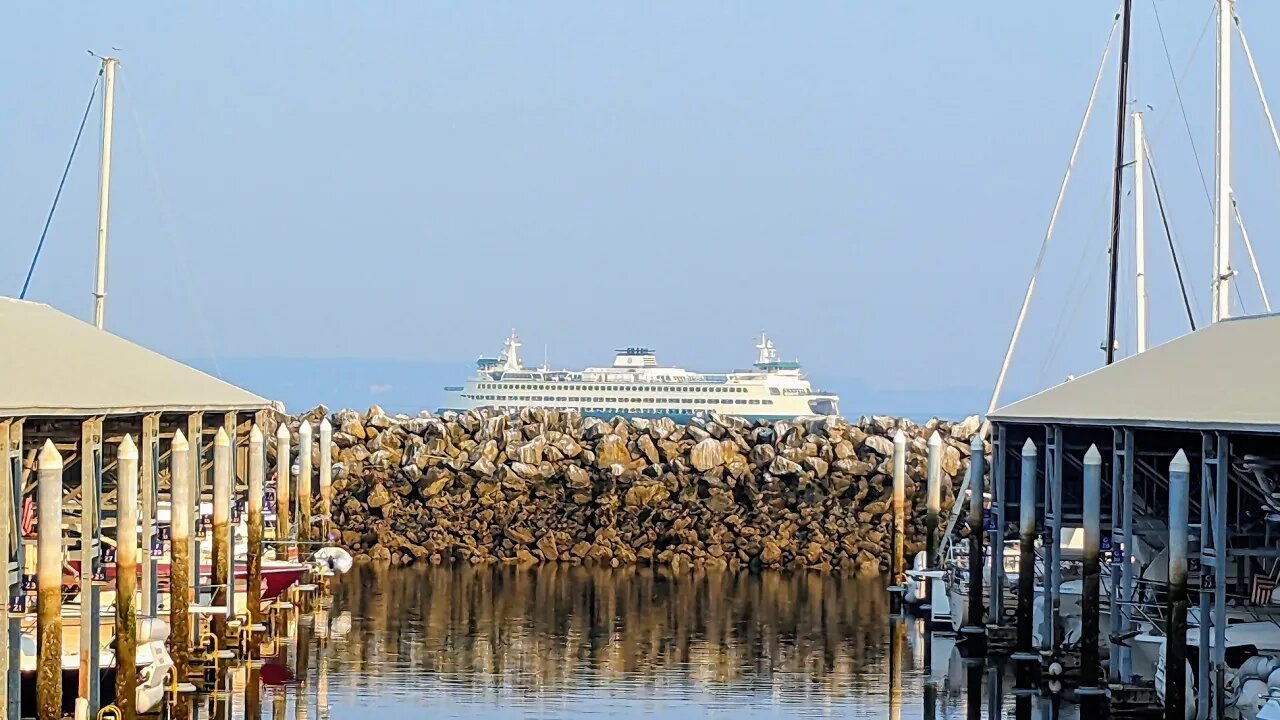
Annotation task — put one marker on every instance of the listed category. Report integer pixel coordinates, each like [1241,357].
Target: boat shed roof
[53,365]
[1225,376]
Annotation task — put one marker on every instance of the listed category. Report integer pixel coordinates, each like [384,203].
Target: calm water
[561,642]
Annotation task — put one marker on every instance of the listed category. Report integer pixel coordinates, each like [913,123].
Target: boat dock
[139,525]
[1164,466]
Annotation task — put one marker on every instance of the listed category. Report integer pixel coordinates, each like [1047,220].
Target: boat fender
[152,629]
[1055,669]
[335,558]
[1273,680]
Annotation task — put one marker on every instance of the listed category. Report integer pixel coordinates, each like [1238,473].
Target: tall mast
[1222,170]
[104,189]
[1113,256]
[1139,228]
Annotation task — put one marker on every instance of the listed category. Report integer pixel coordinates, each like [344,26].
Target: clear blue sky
[868,181]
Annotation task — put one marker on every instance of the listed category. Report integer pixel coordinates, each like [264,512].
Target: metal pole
[326,477]
[304,481]
[1118,182]
[1124,611]
[126,577]
[1175,692]
[49,583]
[283,468]
[180,516]
[1222,170]
[995,534]
[1027,553]
[254,575]
[221,580]
[1139,229]
[1090,660]
[974,628]
[933,508]
[104,188]
[899,513]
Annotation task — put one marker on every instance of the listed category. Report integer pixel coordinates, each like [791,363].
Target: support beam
[15,562]
[148,492]
[7,567]
[195,475]
[995,536]
[1053,539]
[90,523]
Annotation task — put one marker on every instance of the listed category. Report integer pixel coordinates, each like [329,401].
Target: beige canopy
[1221,377]
[52,364]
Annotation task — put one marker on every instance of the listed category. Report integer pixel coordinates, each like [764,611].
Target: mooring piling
[283,494]
[1090,659]
[1175,689]
[933,509]
[222,581]
[1027,554]
[326,477]
[126,576]
[180,515]
[899,517]
[253,585]
[49,583]
[974,628]
[304,480]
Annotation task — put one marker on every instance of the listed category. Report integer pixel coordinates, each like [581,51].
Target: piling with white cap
[49,583]
[1175,689]
[304,480]
[182,509]
[899,510]
[1090,659]
[126,576]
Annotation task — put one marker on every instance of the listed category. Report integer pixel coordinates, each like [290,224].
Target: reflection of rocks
[557,626]
[537,486]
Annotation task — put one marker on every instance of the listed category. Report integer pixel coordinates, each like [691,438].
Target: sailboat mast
[1113,256]
[104,189]
[1222,170]
[1140,229]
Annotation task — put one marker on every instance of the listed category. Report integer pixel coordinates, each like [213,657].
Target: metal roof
[1222,377]
[52,364]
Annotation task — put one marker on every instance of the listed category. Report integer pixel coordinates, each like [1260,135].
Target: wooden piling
[221,580]
[304,481]
[195,476]
[284,527]
[1090,659]
[326,478]
[253,585]
[1175,689]
[899,514]
[933,509]
[1027,555]
[49,584]
[126,577]
[180,516]
[90,606]
[974,628]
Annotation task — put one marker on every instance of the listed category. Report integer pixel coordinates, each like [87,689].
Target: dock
[1140,504]
[123,482]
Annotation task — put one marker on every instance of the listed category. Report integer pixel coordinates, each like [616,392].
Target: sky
[869,182]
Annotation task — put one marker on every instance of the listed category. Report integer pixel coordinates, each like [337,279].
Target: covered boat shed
[84,389]
[1214,394]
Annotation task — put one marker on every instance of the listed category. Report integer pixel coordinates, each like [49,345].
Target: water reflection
[558,642]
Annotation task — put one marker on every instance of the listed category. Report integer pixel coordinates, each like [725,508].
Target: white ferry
[636,386]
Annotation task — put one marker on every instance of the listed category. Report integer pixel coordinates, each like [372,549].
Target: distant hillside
[403,386]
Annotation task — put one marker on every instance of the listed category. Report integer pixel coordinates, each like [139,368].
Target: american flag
[1264,585]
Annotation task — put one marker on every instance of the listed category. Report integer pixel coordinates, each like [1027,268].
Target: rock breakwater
[546,486]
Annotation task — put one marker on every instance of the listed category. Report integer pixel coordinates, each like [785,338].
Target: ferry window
[755,402]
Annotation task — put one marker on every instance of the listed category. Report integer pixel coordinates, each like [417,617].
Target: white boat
[636,386]
[1252,653]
